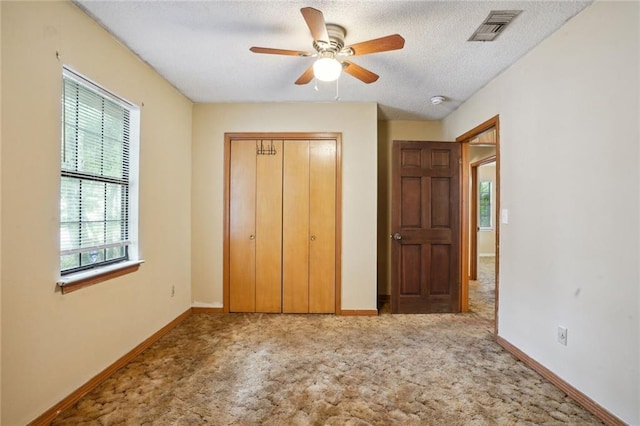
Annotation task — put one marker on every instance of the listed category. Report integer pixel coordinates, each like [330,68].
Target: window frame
[490,206]
[84,276]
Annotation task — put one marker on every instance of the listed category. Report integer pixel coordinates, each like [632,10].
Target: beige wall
[388,131]
[477,153]
[53,343]
[356,122]
[569,254]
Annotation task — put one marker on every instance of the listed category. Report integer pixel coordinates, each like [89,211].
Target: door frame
[465,139]
[228,139]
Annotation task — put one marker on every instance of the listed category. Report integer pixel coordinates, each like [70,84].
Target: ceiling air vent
[495,23]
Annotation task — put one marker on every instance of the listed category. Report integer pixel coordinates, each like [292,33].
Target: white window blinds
[94,191]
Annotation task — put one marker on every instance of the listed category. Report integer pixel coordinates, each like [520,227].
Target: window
[97,187]
[484,205]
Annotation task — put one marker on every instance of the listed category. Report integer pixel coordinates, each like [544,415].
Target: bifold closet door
[322,226]
[295,218]
[242,214]
[255,228]
[269,231]
[309,175]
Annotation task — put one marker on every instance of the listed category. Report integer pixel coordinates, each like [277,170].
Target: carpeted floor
[246,369]
[482,291]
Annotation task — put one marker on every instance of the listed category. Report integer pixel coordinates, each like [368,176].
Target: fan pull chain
[315,81]
[337,90]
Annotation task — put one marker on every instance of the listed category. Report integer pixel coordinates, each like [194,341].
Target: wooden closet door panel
[295,219]
[269,231]
[242,211]
[322,226]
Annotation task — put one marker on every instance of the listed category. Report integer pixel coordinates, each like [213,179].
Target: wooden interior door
[322,226]
[309,226]
[242,226]
[425,226]
[268,275]
[255,228]
[295,233]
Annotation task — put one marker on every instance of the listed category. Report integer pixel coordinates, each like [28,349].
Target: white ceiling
[202,47]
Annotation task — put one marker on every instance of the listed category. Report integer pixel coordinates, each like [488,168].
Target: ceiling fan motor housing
[336,40]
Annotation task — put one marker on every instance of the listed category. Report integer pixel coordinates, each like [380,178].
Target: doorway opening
[482,240]
[480,227]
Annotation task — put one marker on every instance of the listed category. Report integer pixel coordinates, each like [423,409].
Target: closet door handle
[252,237]
[313,238]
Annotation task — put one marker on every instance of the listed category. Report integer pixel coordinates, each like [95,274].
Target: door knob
[313,238]
[397,236]
[252,237]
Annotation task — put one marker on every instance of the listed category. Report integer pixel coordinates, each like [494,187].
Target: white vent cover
[495,23]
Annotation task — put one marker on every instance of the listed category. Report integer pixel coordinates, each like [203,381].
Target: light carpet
[249,369]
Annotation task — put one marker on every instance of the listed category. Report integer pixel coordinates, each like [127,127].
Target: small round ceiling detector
[437,100]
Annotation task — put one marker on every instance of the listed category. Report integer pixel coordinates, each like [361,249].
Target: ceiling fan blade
[358,72]
[315,22]
[306,76]
[382,44]
[279,51]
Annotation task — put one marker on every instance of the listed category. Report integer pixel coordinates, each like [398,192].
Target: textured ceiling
[202,48]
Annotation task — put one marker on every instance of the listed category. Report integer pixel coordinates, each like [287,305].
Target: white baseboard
[206,305]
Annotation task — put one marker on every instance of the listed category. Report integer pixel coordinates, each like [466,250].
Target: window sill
[73,282]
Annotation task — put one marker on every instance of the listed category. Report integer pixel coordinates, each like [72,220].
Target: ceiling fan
[328,41]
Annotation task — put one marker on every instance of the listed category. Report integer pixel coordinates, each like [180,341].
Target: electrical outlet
[562,335]
[173,290]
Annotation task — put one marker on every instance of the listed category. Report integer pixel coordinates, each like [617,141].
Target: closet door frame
[228,140]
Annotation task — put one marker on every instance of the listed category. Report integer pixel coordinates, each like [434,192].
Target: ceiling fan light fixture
[327,68]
